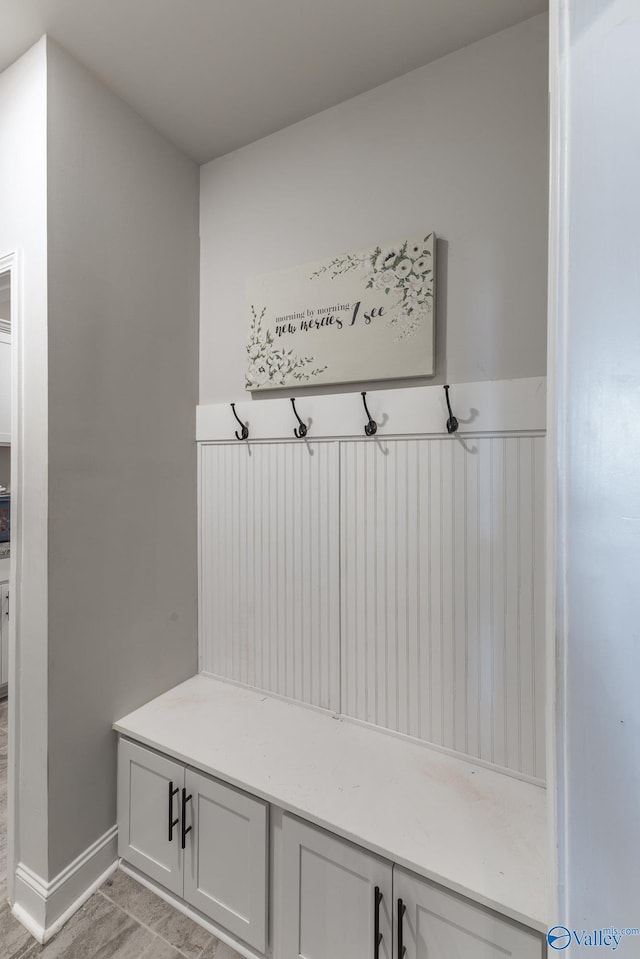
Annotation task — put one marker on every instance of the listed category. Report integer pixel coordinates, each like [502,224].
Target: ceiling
[213,75]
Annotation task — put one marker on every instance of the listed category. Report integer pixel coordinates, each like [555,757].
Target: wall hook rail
[371,428]
[244,434]
[303,429]
[452,423]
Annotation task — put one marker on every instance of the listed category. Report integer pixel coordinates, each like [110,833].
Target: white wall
[596,338]
[123,374]
[458,146]
[23,221]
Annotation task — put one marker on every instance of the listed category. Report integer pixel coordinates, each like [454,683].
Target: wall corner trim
[43,907]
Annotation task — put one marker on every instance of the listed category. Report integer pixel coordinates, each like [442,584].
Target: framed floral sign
[360,316]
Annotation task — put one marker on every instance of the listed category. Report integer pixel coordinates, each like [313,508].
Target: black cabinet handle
[377,935]
[172,822]
[185,828]
[401,911]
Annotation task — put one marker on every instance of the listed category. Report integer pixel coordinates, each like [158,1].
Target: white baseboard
[186,910]
[44,906]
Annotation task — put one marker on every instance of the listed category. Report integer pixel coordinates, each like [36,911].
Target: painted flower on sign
[269,363]
[404,268]
[386,258]
[421,265]
[404,271]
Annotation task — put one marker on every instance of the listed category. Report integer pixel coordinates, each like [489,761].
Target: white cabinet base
[327,897]
[437,924]
[199,838]
[225,867]
[144,778]
[338,826]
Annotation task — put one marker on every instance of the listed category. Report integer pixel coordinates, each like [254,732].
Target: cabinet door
[328,907]
[437,924]
[225,866]
[4,635]
[149,792]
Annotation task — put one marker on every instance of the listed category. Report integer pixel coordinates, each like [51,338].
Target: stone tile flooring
[123,920]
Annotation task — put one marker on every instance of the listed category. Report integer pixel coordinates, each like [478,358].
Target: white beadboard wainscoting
[442,593]
[269,570]
[396,580]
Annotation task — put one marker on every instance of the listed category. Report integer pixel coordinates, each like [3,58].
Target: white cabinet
[432,923]
[338,901]
[4,634]
[149,796]
[203,840]
[225,867]
[335,898]
[329,898]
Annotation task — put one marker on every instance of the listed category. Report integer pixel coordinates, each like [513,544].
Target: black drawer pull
[401,911]
[185,828]
[377,935]
[172,822]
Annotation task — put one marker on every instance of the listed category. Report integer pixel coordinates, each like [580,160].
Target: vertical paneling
[399,582]
[442,592]
[269,576]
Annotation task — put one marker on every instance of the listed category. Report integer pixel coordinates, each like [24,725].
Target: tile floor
[123,920]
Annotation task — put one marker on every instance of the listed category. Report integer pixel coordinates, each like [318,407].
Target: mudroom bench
[290,832]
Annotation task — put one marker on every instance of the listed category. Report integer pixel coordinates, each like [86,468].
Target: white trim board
[488,406]
[11,272]
[44,906]
[558,271]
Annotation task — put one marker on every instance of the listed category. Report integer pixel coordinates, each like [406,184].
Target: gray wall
[458,146]
[123,373]
[597,341]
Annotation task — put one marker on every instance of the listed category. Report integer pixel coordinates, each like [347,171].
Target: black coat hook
[452,423]
[244,435]
[302,431]
[371,428]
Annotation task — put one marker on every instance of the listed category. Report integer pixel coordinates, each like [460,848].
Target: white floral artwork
[404,271]
[268,364]
[358,317]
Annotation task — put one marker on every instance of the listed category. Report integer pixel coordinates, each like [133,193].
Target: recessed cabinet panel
[144,778]
[225,869]
[328,901]
[437,924]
